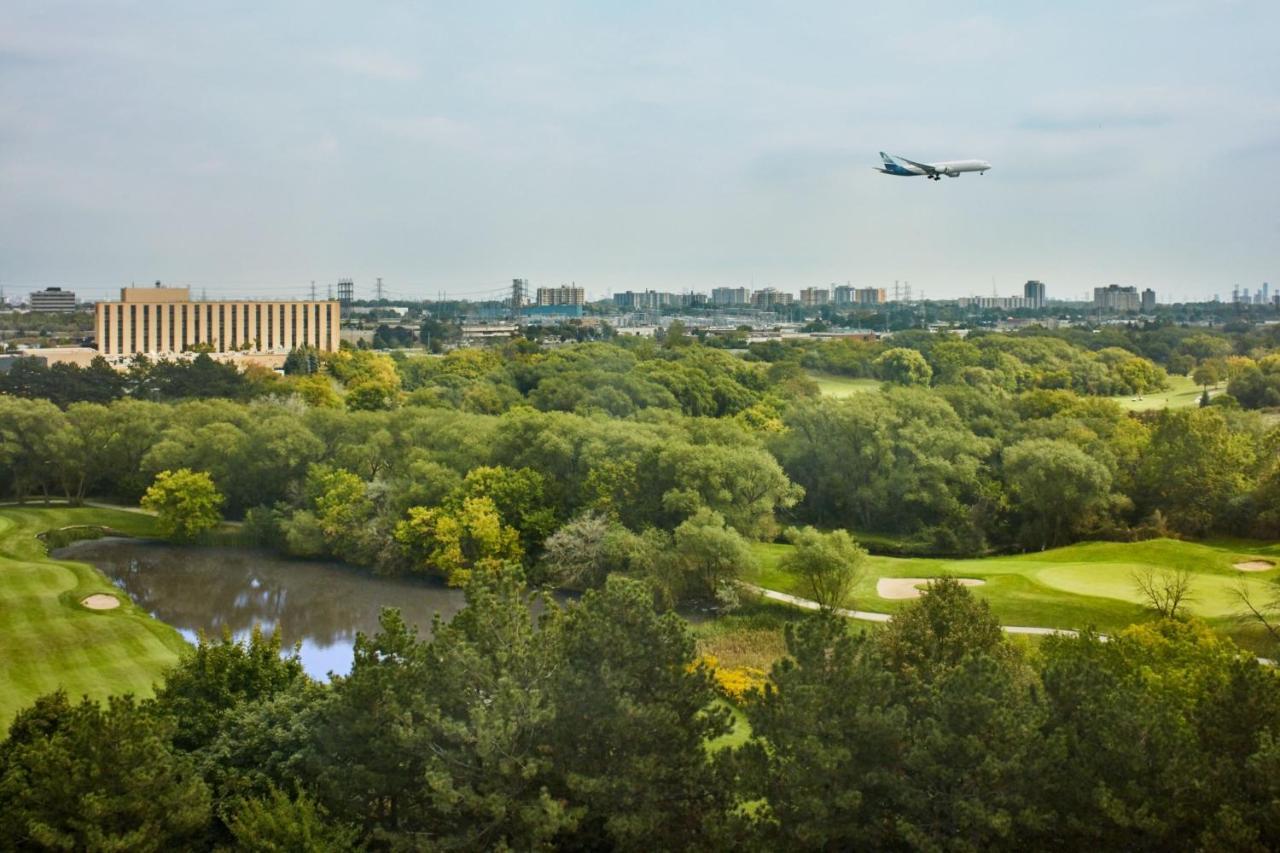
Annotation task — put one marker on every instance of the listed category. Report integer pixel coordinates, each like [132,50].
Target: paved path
[871,616]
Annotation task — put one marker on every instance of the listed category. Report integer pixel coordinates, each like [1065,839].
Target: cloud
[375,65]
[433,129]
[972,39]
[1087,121]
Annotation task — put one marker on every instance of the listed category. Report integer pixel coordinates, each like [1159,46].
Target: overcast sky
[250,148]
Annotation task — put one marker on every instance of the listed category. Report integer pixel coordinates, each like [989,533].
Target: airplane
[932,171]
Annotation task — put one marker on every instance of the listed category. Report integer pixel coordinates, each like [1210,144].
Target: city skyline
[666,148]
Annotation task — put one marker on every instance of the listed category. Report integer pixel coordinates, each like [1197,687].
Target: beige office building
[164,320]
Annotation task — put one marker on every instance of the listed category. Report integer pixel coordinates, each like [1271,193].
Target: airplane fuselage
[905,168]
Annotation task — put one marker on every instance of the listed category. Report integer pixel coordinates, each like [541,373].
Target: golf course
[52,634]
[1082,585]
[49,638]
[1182,392]
[832,385]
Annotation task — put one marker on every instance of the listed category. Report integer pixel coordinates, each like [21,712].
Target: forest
[974,446]
[639,474]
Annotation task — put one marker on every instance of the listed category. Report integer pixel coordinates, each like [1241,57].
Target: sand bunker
[101,601]
[912,587]
[1255,566]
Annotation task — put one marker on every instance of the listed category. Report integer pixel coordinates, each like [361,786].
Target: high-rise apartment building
[164,321]
[1148,301]
[563,295]
[870,296]
[1113,297]
[771,297]
[811,297]
[730,296]
[1033,292]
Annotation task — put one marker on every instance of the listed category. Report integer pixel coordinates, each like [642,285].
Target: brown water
[320,605]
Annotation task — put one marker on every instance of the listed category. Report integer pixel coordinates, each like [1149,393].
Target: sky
[253,148]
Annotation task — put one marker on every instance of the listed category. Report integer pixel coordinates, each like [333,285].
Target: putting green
[1088,584]
[48,639]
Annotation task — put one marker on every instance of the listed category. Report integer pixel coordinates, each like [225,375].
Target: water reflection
[318,604]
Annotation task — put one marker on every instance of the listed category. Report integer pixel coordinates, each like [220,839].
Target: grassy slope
[47,639]
[843,386]
[1086,584]
[1182,392]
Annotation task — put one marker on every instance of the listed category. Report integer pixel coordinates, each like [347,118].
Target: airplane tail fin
[885,157]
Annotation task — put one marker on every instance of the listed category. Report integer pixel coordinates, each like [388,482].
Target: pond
[320,605]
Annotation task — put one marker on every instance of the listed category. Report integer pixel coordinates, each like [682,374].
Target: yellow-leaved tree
[454,541]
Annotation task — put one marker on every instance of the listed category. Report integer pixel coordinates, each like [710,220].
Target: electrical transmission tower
[519,289]
[378,289]
[346,292]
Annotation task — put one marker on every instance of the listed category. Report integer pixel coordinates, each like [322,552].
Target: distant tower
[378,289]
[519,287]
[313,290]
[346,292]
[1033,292]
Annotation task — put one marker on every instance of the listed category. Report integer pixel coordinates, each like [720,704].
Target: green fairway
[1182,392]
[1089,584]
[48,639]
[843,386]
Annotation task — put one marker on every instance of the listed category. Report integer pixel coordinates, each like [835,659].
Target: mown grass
[48,640]
[1181,393]
[1090,584]
[842,386]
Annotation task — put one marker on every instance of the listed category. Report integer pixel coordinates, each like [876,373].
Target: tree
[1057,487]
[519,495]
[218,676]
[186,503]
[95,777]
[279,823]
[1166,591]
[456,542]
[302,361]
[633,713]
[1194,467]
[442,744]
[709,555]
[583,552]
[1208,373]
[904,367]
[944,627]
[32,432]
[830,564]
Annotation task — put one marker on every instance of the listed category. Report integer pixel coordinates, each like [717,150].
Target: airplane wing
[928,170]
